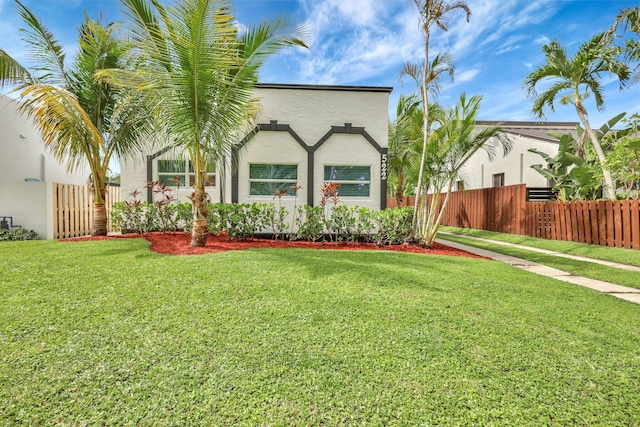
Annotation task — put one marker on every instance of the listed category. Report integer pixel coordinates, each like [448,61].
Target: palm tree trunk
[200,210]
[400,191]
[609,187]
[433,232]
[415,225]
[99,225]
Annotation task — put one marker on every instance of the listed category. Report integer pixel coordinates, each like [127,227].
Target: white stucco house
[515,167]
[27,172]
[306,135]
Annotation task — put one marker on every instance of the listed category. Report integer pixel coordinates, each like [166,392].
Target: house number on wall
[383,167]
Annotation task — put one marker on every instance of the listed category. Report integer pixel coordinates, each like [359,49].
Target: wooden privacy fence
[73,209]
[505,210]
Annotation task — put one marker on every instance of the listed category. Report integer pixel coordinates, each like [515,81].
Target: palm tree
[404,131]
[579,77]
[451,145]
[202,73]
[629,19]
[432,12]
[80,120]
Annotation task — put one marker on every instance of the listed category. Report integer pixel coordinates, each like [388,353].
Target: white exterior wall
[516,166]
[274,148]
[22,152]
[311,112]
[349,150]
[30,204]
[133,174]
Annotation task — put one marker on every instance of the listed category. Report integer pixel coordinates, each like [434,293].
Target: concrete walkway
[623,292]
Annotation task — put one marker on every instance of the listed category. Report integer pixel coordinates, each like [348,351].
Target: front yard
[109,333]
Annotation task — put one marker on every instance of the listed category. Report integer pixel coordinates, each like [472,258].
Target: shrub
[394,226]
[18,234]
[310,222]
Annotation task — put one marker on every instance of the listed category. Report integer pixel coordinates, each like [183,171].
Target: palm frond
[44,47]
[64,126]
[12,74]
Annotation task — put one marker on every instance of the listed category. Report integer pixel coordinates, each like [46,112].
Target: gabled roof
[535,130]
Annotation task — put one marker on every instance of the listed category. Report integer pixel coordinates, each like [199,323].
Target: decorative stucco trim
[272,126]
[348,128]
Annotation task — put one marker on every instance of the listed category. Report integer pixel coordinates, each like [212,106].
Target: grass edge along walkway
[619,291]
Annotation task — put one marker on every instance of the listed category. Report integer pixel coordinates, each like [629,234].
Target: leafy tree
[201,70]
[578,177]
[404,134]
[80,120]
[624,158]
[451,145]
[575,80]
[574,177]
[432,12]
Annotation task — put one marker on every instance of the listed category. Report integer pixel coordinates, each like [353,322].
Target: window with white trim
[268,179]
[355,181]
[172,171]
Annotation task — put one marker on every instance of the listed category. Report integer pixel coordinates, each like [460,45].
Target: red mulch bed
[178,244]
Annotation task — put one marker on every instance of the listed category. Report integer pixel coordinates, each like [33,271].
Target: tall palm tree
[575,80]
[202,72]
[432,12]
[80,120]
[451,146]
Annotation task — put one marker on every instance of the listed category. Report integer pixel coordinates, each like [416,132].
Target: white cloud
[542,40]
[466,76]
[356,40]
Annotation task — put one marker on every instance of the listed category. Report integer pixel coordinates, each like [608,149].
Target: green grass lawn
[624,256]
[579,268]
[108,333]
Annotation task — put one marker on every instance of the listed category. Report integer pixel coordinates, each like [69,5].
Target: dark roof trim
[528,124]
[324,87]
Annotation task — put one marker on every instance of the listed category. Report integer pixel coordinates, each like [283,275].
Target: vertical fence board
[617,214]
[593,221]
[602,224]
[626,225]
[635,224]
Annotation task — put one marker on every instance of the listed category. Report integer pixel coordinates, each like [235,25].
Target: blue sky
[366,42]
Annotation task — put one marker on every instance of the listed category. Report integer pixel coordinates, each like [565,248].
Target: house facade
[305,136]
[515,167]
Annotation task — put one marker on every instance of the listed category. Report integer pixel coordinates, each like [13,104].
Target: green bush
[310,222]
[394,226]
[18,234]
[243,221]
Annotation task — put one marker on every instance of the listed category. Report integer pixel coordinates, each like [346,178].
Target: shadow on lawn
[377,267]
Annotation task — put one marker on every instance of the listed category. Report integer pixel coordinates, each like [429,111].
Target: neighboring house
[514,168]
[306,135]
[26,168]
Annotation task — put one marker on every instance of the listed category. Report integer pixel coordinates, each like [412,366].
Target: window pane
[210,180]
[171,166]
[211,167]
[270,188]
[171,180]
[347,173]
[353,190]
[258,171]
